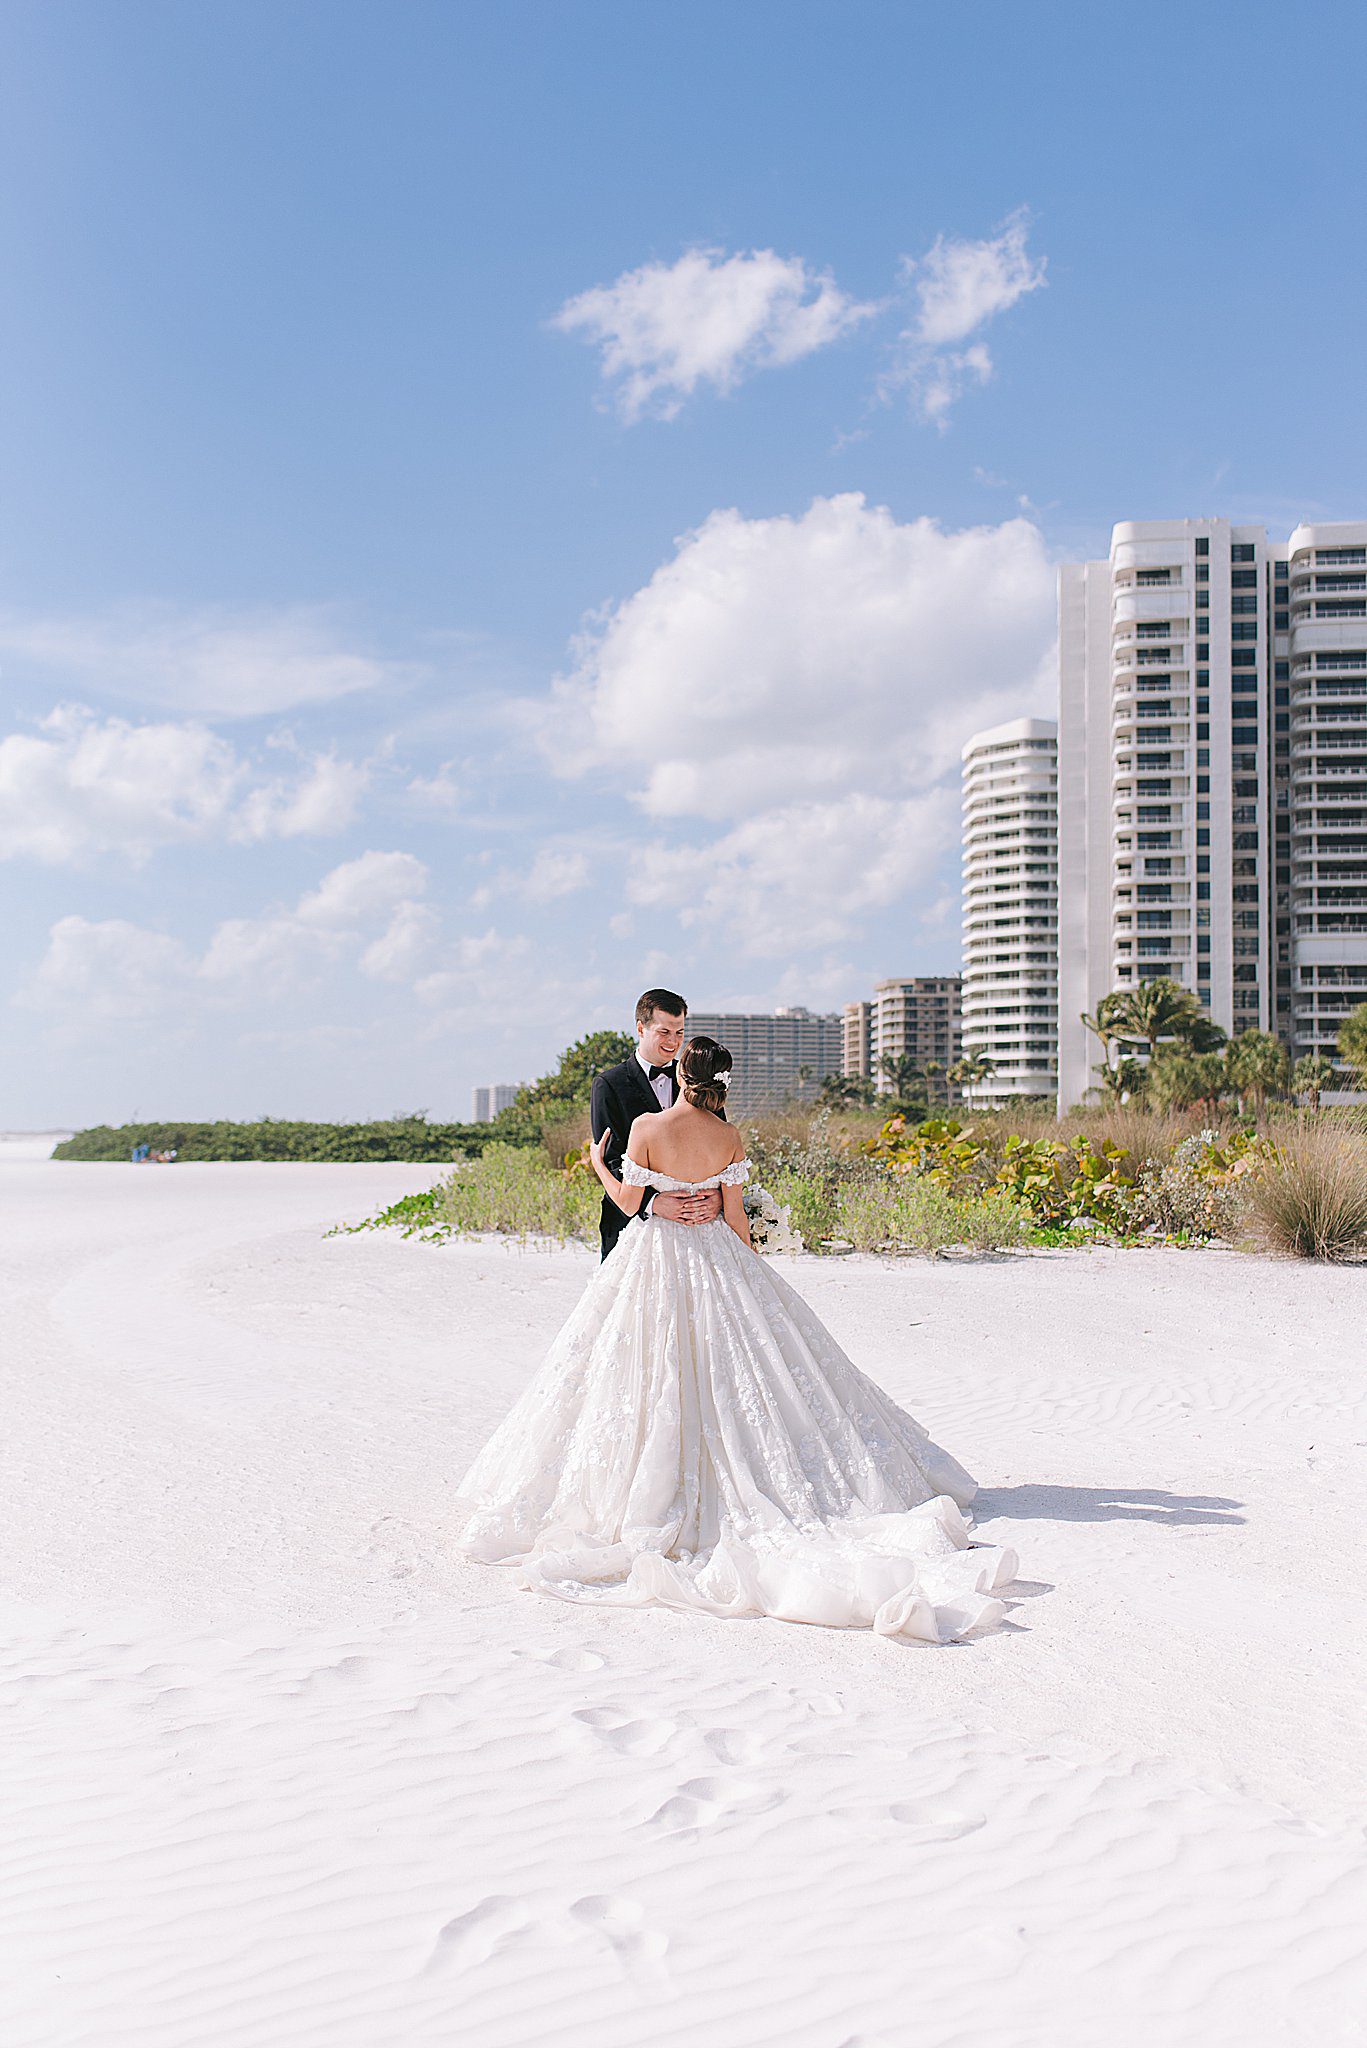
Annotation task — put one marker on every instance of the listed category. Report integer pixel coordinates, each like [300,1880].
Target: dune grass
[1312,1201]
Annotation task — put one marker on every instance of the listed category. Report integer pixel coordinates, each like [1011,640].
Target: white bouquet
[771,1222]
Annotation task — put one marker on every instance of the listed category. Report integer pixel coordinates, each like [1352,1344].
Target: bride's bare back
[684,1142]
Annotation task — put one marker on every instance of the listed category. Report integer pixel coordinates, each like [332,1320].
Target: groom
[638,1087]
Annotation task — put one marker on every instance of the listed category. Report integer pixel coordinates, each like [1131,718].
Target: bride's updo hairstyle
[704,1070]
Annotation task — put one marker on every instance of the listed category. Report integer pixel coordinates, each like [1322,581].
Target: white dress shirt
[660,1085]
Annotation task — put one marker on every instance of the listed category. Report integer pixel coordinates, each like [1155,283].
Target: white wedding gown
[697,1439]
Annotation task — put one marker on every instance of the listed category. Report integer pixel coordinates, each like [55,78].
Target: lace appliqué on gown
[697,1439]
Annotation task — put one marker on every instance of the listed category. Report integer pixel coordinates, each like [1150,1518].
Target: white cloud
[328,924]
[959,286]
[441,791]
[556,871]
[773,659]
[807,683]
[325,800]
[403,945]
[80,786]
[212,663]
[489,971]
[372,885]
[111,969]
[800,876]
[364,913]
[708,318]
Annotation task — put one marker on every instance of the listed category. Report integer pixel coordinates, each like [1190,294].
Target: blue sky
[507,504]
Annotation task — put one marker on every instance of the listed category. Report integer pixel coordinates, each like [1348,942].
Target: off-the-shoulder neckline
[653,1177]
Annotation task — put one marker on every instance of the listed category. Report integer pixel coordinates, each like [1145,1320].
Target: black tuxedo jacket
[620,1095]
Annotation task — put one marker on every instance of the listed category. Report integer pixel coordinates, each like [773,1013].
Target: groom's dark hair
[659,999]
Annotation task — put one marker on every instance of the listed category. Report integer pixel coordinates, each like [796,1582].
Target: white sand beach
[280,1773]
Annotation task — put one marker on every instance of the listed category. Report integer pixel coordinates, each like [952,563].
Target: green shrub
[812,1201]
[905,1214]
[405,1138]
[512,1189]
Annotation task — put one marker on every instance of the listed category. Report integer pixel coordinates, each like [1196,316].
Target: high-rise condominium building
[1010,907]
[1327,585]
[856,1025]
[1187,776]
[489,1102]
[914,1016]
[781,1056]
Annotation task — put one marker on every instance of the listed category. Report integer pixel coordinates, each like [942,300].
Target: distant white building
[1327,748]
[490,1101]
[1010,907]
[1213,778]
[911,1016]
[780,1055]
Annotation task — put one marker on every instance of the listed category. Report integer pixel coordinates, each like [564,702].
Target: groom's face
[661,1038]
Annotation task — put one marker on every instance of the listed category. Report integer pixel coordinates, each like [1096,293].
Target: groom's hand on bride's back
[699,1208]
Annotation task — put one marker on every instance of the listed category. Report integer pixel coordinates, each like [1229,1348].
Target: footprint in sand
[472,1937]
[629,1738]
[707,1802]
[620,1925]
[569,1659]
[396,1545]
[734,1746]
[934,1824]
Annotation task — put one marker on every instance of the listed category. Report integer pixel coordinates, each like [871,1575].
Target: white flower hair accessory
[722,1080]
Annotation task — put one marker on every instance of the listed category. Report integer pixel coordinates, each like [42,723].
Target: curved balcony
[1150,602]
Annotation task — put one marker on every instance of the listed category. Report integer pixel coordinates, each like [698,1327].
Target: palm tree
[1257,1065]
[1159,1009]
[1311,1075]
[967,1072]
[844,1091]
[1103,1024]
[901,1069]
[932,1071]
[1353,1042]
[1181,1080]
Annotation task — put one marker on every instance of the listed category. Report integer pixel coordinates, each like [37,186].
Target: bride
[697,1439]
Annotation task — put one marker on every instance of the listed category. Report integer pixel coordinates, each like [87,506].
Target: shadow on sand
[1103,1504]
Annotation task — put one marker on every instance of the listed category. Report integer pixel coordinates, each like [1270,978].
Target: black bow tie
[656,1072]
